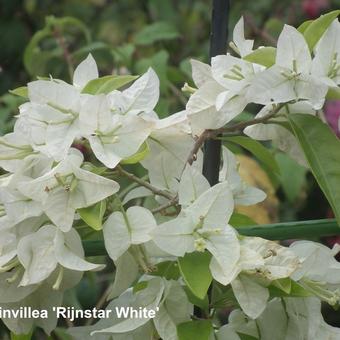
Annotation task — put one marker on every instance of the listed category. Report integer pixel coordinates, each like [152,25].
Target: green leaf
[302,28]
[123,54]
[201,303]
[93,215]
[284,284]
[43,52]
[264,56]
[63,22]
[138,156]
[298,291]
[194,268]
[317,28]
[22,336]
[107,84]
[280,290]
[322,150]
[238,220]
[291,185]
[195,330]
[33,49]
[159,62]
[90,48]
[156,32]
[273,26]
[139,286]
[20,91]
[333,94]
[222,297]
[257,149]
[167,269]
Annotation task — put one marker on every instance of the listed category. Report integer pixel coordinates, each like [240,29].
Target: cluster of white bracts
[47,181]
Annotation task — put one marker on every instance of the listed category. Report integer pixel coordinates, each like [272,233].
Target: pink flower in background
[312,8]
[332,114]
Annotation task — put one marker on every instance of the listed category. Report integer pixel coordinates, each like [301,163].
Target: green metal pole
[278,231]
[293,230]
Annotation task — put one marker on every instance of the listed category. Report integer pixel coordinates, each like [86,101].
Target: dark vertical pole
[218,45]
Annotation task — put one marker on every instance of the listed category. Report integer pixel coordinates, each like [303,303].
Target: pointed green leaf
[93,215]
[222,296]
[304,26]
[155,32]
[298,291]
[322,150]
[194,268]
[317,28]
[238,220]
[257,149]
[138,156]
[20,91]
[195,330]
[107,84]
[168,269]
[33,50]
[280,290]
[201,303]
[284,284]
[139,286]
[264,56]
[292,185]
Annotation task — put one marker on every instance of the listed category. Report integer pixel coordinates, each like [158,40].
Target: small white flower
[41,252]
[195,229]
[66,188]
[123,229]
[290,78]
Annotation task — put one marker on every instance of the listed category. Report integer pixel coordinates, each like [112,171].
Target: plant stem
[169,204]
[238,127]
[130,187]
[242,125]
[145,184]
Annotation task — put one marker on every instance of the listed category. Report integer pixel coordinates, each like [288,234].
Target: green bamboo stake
[293,230]
[277,231]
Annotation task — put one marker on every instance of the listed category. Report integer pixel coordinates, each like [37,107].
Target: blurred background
[39,38]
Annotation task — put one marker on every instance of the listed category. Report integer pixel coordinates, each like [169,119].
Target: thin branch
[206,134]
[242,125]
[145,184]
[238,127]
[169,204]
[130,187]
[177,93]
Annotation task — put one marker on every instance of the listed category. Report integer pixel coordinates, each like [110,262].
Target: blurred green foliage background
[43,37]
[39,38]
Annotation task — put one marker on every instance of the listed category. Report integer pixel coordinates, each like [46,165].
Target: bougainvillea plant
[170,234]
